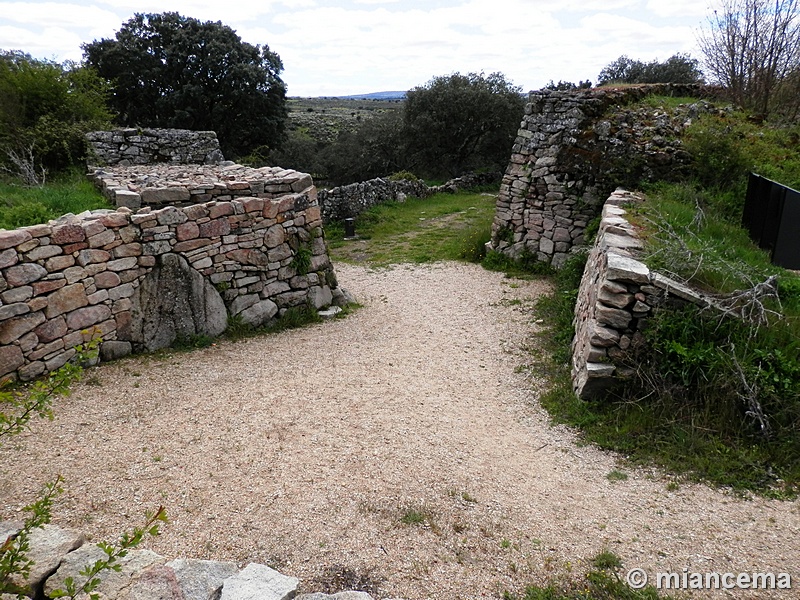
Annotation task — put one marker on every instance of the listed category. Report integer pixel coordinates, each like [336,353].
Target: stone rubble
[144,575]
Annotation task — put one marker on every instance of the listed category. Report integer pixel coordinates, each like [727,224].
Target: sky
[362,46]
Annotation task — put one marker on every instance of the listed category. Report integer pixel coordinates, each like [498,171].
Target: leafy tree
[458,122]
[376,148]
[679,68]
[752,47]
[46,108]
[167,70]
[567,86]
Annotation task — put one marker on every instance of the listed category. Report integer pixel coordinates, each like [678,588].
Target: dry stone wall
[143,279]
[572,150]
[351,200]
[162,185]
[617,296]
[129,146]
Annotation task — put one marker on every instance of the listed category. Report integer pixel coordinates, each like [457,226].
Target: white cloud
[368,45]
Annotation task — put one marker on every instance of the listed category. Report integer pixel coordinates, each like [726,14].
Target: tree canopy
[679,68]
[46,107]
[461,122]
[167,70]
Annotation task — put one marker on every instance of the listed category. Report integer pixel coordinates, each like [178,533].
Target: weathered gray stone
[175,301]
[201,579]
[113,583]
[10,359]
[48,546]
[13,329]
[8,257]
[114,349]
[320,296]
[165,195]
[623,268]
[24,274]
[13,310]
[259,582]
[259,313]
[127,199]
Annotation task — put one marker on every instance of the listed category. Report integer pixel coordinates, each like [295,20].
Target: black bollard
[349,228]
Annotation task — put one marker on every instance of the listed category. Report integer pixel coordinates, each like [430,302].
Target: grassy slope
[69,193]
[442,227]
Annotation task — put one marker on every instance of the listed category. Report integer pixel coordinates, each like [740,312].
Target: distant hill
[376,96]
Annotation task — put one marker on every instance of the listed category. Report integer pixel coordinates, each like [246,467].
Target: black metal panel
[786,251]
[753,214]
[772,217]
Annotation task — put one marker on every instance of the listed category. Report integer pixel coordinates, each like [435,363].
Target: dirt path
[308,450]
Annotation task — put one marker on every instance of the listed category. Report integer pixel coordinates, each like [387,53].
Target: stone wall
[617,296]
[142,280]
[572,150]
[351,200]
[147,146]
[162,185]
[144,575]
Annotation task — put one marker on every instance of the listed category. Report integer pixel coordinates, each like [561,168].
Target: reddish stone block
[67,234]
[215,228]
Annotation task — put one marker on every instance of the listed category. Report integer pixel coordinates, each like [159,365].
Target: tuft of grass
[414,516]
[70,192]
[617,475]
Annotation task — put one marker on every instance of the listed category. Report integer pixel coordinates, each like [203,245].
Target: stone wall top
[184,185]
[131,146]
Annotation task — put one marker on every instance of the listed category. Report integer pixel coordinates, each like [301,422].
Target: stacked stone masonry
[140,280]
[349,201]
[572,150]
[617,296]
[127,147]
[144,575]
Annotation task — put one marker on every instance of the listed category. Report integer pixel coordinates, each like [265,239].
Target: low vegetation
[715,398]
[69,192]
[418,230]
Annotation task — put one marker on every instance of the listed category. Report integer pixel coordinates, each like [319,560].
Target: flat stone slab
[201,579]
[259,582]
[624,268]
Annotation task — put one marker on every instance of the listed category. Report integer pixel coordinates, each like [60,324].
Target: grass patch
[70,192]
[294,317]
[419,230]
[602,582]
[715,399]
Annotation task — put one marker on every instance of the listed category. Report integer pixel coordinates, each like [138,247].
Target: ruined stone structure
[147,146]
[617,296]
[143,279]
[572,150]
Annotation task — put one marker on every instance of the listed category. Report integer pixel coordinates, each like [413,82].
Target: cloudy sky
[361,46]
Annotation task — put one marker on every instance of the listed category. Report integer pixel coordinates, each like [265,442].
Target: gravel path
[309,449]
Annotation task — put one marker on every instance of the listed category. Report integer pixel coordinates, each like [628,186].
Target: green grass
[685,410]
[68,193]
[603,581]
[442,227]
